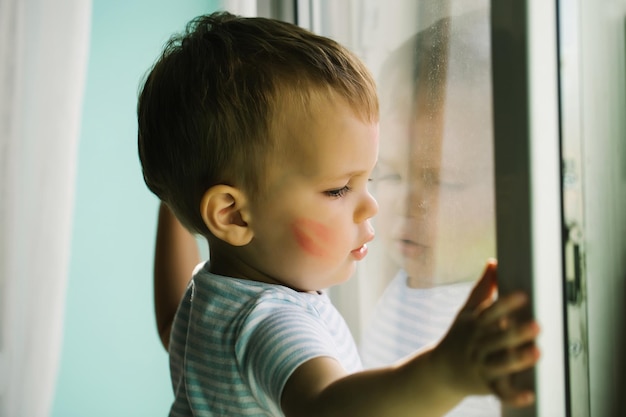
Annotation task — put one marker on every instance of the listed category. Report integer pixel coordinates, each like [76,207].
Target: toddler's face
[312,224]
[435,188]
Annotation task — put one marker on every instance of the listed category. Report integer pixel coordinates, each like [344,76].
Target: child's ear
[224,210]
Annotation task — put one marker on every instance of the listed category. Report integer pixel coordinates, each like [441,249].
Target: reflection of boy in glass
[434,185]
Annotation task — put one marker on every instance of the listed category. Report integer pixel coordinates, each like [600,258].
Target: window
[434,182]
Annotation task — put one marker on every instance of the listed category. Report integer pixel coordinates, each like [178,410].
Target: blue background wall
[112,361]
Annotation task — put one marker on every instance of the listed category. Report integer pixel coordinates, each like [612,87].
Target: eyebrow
[344,176]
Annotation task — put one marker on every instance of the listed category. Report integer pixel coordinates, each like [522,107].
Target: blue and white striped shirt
[235,343]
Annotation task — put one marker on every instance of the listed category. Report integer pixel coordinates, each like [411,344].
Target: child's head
[213,108]
[262,136]
[436,163]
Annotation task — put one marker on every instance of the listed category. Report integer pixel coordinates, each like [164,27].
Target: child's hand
[485,346]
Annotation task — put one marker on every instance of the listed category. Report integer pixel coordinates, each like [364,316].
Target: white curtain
[43,60]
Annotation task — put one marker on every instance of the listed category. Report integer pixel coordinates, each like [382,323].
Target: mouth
[360,252]
[411,249]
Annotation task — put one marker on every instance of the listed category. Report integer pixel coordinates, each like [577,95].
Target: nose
[368,207]
[417,197]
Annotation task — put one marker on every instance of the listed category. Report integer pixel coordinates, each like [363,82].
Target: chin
[320,281]
[340,278]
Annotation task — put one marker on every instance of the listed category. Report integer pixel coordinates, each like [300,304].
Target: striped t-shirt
[234,344]
[407,319]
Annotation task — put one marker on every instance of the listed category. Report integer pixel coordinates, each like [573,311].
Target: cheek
[314,238]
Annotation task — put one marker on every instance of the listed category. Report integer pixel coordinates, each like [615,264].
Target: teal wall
[112,362]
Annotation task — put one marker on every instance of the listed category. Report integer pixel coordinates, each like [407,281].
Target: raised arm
[175,256]
[478,356]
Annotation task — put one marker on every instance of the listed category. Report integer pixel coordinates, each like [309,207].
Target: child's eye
[339,192]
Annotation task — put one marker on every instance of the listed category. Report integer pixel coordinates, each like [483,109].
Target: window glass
[434,181]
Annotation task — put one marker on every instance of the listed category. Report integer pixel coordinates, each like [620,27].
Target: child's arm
[175,256]
[477,356]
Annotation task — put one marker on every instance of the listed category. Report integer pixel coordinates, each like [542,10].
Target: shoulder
[283,308]
[219,294]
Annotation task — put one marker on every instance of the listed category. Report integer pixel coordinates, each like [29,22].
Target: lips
[360,252]
[411,249]
[412,237]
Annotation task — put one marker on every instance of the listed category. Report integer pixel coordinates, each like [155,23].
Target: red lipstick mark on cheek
[314,238]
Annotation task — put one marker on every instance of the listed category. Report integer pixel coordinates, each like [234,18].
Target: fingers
[510,395]
[502,308]
[510,361]
[504,371]
[510,336]
[508,345]
[485,288]
[499,338]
